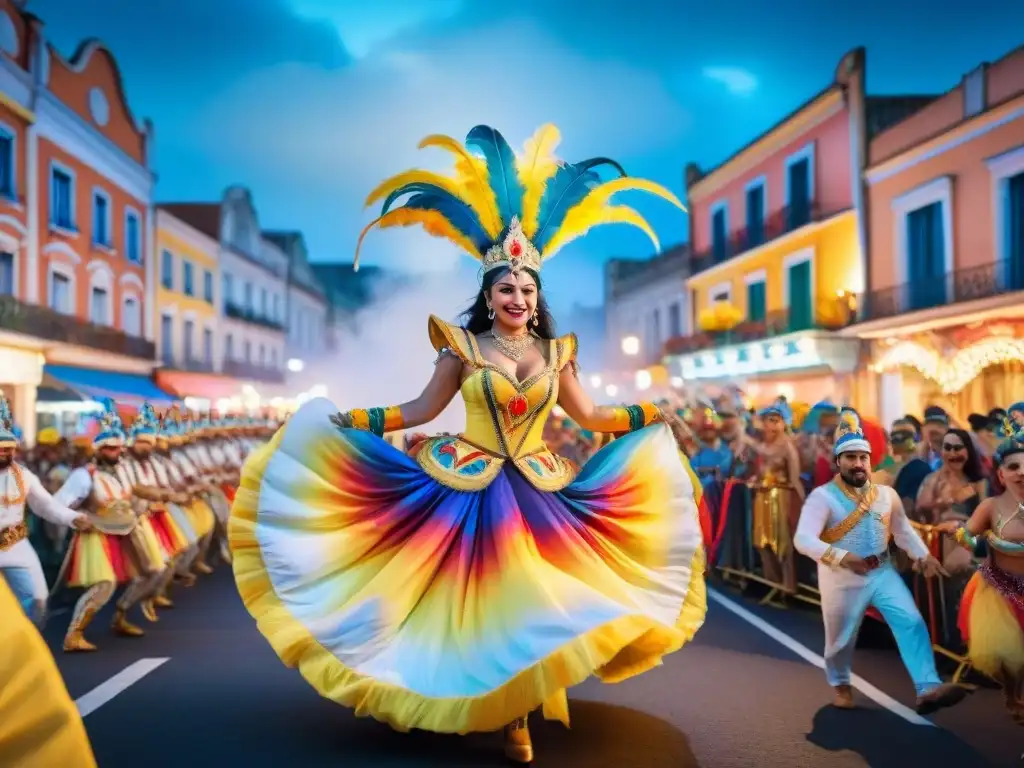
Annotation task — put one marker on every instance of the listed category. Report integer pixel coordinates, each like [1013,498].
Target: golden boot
[148,608]
[163,601]
[123,627]
[88,605]
[844,697]
[518,745]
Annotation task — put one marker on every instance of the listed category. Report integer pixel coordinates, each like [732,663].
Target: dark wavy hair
[972,467]
[475,319]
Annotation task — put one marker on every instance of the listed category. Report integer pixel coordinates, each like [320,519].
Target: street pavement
[203,688]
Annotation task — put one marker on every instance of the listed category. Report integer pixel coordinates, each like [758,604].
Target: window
[720,234]
[98,306]
[756,301]
[167,339]
[62,198]
[1013,205]
[247,350]
[131,316]
[188,278]
[926,257]
[8,165]
[229,347]
[133,237]
[277,307]
[755,213]
[227,286]
[167,270]
[208,346]
[720,292]
[264,303]
[263,355]
[247,297]
[799,187]
[60,293]
[273,359]
[6,274]
[675,320]
[799,291]
[208,287]
[189,332]
[100,218]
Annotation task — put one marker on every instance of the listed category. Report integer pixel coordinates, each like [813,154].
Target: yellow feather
[534,168]
[471,175]
[433,223]
[593,210]
[583,218]
[388,186]
[850,419]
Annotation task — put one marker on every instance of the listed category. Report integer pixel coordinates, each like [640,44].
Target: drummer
[116,551]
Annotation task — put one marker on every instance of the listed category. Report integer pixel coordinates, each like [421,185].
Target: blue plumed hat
[779,408]
[849,437]
[1013,442]
[111,428]
[9,436]
[146,426]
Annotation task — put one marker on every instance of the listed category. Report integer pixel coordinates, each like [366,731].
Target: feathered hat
[49,436]
[811,423]
[779,408]
[146,425]
[111,428]
[1013,442]
[849,437]
[508,210]
[8,437]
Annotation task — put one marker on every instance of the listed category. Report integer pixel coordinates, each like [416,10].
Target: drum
[116,518]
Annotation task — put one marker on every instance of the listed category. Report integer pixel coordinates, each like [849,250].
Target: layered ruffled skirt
[992,621]
[453,611]
[97,557]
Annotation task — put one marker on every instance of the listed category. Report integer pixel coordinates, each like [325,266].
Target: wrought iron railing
[45,323]
[243,370]
[776,225]
[970,284]
[239,312]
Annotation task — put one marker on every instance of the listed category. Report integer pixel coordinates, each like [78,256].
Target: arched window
[131,315]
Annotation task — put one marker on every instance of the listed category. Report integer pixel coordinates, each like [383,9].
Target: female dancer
[461,588]
[992,609]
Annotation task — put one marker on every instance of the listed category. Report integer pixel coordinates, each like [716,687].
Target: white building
[646,304]
[307,312]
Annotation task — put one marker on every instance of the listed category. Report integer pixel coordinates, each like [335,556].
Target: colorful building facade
[777,253]
[76,230]
[944,310]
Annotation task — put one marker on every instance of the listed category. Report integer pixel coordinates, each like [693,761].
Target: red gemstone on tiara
[517,405]
[515,249]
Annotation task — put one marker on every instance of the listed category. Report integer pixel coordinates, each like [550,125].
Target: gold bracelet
[964,538]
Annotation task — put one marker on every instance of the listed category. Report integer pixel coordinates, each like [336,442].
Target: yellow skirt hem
[615,651]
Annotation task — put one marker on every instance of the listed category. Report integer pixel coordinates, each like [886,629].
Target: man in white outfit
[19,562]
[846,526]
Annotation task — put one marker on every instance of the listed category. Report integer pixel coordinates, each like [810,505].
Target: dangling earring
[490,313]
[535,320]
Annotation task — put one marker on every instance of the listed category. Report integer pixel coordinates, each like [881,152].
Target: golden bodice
[504,418]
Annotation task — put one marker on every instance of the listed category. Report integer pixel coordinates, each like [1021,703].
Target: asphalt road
[203,688]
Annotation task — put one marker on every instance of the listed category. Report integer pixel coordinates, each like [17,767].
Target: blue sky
[311,102]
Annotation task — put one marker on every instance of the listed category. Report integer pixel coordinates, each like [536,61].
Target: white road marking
[878,696]
[118,684]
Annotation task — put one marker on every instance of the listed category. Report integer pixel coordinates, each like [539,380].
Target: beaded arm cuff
[377,420]
[964,538]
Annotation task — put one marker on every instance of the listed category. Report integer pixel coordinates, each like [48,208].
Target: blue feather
[414,187]
[501,170]
[566,189]
[461,216]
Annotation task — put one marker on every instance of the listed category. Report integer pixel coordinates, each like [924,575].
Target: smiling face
[954,452]
[1011,474]
[513,299]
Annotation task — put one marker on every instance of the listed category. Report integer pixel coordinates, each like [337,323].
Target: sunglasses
[954,447]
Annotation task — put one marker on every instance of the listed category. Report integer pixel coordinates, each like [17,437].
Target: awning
[205,386]
[126,389]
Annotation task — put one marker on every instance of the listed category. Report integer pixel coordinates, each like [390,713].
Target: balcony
[776,323]
[972,284]
[190,365]
[44,323]
[240,369]
[777,225]
[238,312]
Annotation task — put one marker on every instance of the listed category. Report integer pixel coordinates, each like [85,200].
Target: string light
[954,374]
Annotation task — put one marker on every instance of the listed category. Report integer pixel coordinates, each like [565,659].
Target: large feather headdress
[508,210]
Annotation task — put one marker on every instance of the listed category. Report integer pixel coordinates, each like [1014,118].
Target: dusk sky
[311,102]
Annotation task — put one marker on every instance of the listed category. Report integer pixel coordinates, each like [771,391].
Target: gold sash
[848,523]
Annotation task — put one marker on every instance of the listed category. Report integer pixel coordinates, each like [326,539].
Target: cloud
[738,81]
[335,134]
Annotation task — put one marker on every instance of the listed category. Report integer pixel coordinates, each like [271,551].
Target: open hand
[81,523]
[930,567]
[342,420]
[856,564]
[681,432]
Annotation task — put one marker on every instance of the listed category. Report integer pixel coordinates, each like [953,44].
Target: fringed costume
[460,589]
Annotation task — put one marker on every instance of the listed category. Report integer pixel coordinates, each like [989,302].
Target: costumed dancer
[178,502]
[846,527]
[712,461]
[462,589]
[778,493]
[19,562]
[138,471]
[992,608]
[182,435]
[212,479]
[118,549]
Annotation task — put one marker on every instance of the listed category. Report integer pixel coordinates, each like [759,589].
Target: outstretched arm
[428,406]
[599,418]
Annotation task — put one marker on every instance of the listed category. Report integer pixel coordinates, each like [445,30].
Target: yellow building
[187,309]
